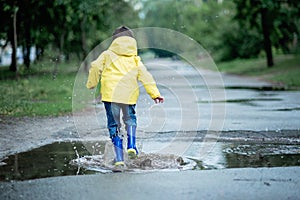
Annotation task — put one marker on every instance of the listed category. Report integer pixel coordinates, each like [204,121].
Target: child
[119,69]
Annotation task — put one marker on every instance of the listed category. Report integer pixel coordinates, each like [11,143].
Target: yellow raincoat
[120,70]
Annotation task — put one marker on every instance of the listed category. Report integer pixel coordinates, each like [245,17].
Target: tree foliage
[231,29]
[68,26]
[276,21]
[203,21]
[227,29]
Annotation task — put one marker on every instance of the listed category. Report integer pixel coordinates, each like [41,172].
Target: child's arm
[148,82]
[95,71]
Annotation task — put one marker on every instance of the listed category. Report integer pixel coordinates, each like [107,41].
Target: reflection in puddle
[60,159]
[46,161]
[288,109]
[250,101]
[261,155]
[257,88]
[234,155]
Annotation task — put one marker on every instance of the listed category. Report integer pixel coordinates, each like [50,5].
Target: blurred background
[42,43]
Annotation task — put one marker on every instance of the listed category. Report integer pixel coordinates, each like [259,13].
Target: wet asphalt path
[195,100]
[204,97]
[262,183]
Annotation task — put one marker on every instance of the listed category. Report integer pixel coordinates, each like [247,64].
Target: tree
[275,20]
[82,24]
[266,24]
[25,19]
[69,26]
[240,42]
[9,10]
[13,66]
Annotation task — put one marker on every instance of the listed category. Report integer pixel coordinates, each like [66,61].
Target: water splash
[145,162]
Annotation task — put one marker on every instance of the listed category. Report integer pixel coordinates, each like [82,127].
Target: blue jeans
[113,111]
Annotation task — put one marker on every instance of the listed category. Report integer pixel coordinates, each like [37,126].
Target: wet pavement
[219,122]
[73,158]
[246,183]
[243,103]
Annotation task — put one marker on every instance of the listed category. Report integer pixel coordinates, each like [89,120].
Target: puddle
[261,155]
[66,158]
[257,88]
[253,88]
[250,101]
[46,161]
[288,109]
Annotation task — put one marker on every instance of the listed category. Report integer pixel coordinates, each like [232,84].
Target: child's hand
[159,100]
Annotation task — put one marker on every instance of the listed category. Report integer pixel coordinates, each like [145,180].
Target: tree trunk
[62,44]
[13,66]
[37,53]
[27,46]
[27,55]
[83,43]
[265,22]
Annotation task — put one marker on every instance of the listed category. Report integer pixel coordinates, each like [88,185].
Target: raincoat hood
[124,46]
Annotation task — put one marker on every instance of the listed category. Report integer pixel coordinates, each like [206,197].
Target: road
[273,183]
[196,100]
[245,103]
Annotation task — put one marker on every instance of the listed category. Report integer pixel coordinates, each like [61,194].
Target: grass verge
[286,70]
[46,90]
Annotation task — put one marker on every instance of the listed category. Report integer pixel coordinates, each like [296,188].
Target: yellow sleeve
[147,80]
[95,71]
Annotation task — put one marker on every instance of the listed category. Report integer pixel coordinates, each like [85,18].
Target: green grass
[38,92]
[286,70]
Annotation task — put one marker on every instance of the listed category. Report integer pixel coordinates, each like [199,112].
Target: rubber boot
[118,144]
[131,148]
